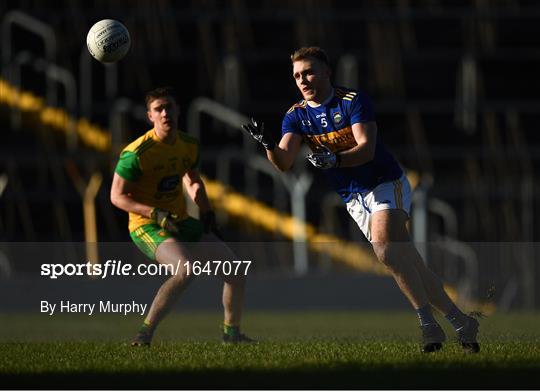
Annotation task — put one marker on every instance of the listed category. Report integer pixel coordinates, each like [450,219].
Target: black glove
[256,130]
[164,219]
[323,158]
[209,222]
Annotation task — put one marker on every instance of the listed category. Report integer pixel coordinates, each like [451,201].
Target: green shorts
[149,237]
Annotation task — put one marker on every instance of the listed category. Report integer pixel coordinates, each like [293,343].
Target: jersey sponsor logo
[337,118]
[324,123]
[340,140]
[168,183]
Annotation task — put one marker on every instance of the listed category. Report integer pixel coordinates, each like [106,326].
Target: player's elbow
[371,155]
[195,190]
[114,199]
[369,151]
[280,159]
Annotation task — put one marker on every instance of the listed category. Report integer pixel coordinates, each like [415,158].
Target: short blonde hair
[310,52]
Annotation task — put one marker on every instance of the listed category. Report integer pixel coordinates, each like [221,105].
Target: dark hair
[307,52]
[160,92]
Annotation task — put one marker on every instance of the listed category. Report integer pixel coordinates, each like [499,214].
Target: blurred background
[455,87]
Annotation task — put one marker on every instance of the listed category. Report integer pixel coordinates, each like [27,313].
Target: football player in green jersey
[148,184]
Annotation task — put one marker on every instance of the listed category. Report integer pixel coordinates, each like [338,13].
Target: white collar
[327,100]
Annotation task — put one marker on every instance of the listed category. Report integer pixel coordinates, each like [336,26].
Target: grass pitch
[297,350]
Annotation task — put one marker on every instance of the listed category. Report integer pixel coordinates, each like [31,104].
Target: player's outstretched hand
[164,219]
[256,130]
[209,222]
[324,158]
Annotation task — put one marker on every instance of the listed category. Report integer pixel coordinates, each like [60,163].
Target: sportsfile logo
[119,268]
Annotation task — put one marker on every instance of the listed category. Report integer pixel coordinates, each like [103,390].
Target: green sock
[231,330]
[146,328]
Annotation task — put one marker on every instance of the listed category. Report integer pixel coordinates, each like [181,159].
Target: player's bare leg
[211,248]
[393,248]
[390,239]
[173,253]
[233,303]
[433,284]
[465,326]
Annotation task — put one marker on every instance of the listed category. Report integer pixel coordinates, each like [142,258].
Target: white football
[108,41]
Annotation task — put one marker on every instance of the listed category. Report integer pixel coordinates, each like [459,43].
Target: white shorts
[386,196]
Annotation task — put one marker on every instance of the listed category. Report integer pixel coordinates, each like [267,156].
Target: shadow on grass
[320,378]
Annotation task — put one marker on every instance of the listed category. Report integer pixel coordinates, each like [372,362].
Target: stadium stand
[454,82]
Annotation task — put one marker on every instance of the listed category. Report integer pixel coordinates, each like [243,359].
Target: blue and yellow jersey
[156,169]
[330,124]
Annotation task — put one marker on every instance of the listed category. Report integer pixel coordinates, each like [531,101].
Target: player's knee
[182,277]
[388,255]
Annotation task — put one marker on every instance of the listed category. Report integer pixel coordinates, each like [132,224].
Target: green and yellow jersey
[156,169]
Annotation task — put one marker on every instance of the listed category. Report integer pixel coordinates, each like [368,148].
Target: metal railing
[296,186]
[37,27]
[53,75]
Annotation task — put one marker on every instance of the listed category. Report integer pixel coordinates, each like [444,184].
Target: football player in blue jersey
[339,126]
